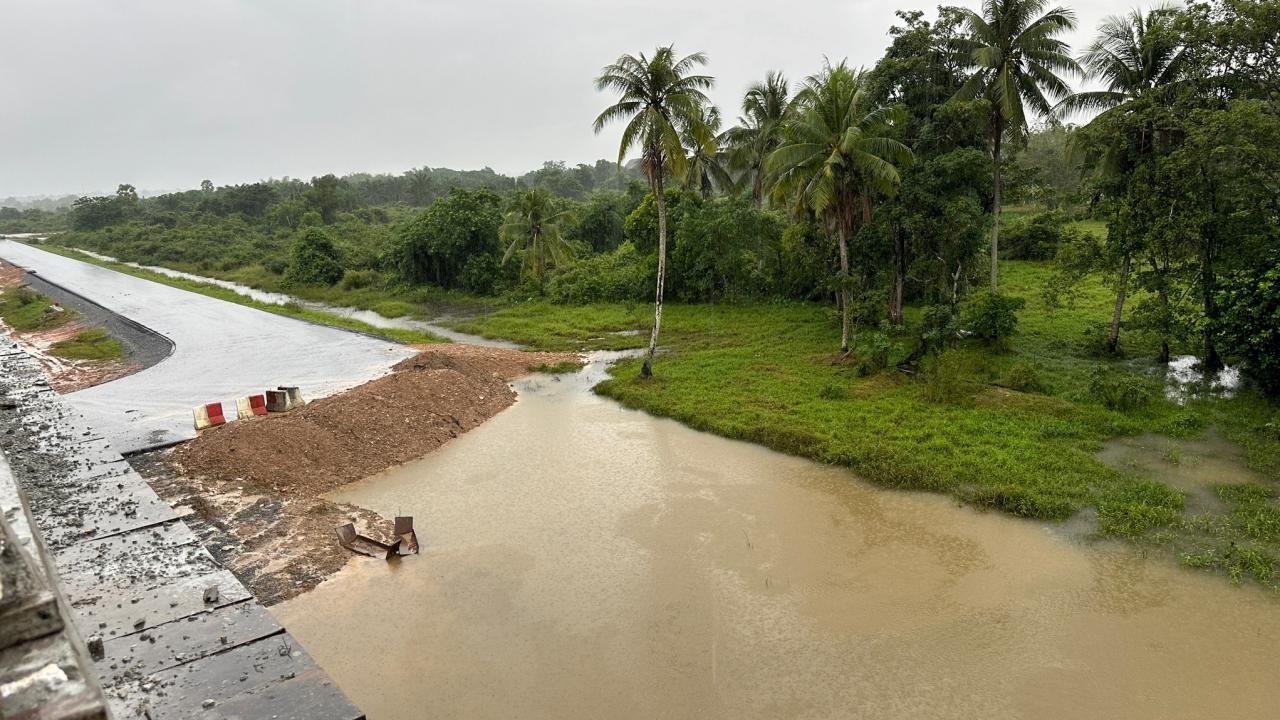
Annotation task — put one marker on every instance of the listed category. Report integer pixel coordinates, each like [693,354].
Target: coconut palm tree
[759,130]
[1017,59]
[834,156]
[705,166]
[661,100]
[532,228]
[1133,56]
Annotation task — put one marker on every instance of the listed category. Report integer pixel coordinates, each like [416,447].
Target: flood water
[581,560]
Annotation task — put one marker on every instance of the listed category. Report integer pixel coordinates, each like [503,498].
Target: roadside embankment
[253,486]
[78,343]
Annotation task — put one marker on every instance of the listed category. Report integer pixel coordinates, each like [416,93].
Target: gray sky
[164,94]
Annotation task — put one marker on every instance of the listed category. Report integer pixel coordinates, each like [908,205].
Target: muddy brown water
[1194,466]
[586,561]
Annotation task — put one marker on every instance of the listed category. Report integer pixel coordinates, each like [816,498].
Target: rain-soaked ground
[222,351]
[584,560]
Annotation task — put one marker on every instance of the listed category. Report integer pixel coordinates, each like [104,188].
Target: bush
[872,351]
[359,279]
[939,328]
[620,276]
[1120,390]
[994,317]
[313,259]
[1037,237]
[946,378]
[1023,378]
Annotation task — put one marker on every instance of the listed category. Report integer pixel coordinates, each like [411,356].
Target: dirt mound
[427,401]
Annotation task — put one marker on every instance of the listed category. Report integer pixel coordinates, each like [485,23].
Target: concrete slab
[223,351]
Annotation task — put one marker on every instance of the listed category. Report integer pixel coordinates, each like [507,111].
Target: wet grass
[26,310]
[560,368]
[92,344]
[768,374]
[293,310]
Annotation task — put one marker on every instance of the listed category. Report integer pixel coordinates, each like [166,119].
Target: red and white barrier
[281,400]
[208,416]
[247,407]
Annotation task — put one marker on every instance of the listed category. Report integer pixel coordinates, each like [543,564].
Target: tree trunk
[995,226]
[899,278]
[1212,362]
[646,370]
[842,229]
[1113,338]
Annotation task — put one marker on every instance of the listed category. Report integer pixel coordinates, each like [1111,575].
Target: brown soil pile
[427,401]
[251,485]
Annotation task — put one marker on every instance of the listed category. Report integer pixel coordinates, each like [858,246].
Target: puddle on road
[1192,466]
[583,560]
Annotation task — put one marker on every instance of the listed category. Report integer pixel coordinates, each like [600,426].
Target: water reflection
[1185,379]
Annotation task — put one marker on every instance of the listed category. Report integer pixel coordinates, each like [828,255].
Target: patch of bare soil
[278,545]
[64,375]
[254,485]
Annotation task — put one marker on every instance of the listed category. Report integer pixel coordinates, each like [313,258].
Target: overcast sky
[164,94]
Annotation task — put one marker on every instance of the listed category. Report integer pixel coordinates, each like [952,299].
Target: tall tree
[836,153]
[660,99]
[1017,58]
[532,228]
[759,130]
[1134,56]
[1130,55]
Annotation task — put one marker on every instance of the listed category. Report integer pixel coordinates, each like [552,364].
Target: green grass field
[769,374]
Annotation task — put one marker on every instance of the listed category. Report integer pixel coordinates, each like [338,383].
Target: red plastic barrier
[258,403]
[215,414]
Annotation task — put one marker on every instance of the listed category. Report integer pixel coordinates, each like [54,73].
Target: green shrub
[872,350]
[358,279]
[994,317]
[1037,237]
[946,378]
[1117,389]
[1022,377]
[313,259]
[939,328]
[620,276]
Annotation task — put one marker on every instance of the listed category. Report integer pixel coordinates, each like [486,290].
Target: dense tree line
[868,188]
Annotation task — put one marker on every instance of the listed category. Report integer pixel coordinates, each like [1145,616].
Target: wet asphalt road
[222,351]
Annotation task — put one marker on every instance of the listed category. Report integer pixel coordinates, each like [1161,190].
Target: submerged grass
[293,310]
[768,374]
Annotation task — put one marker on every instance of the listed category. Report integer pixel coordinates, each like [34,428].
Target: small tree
[994,317]
[533,230]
